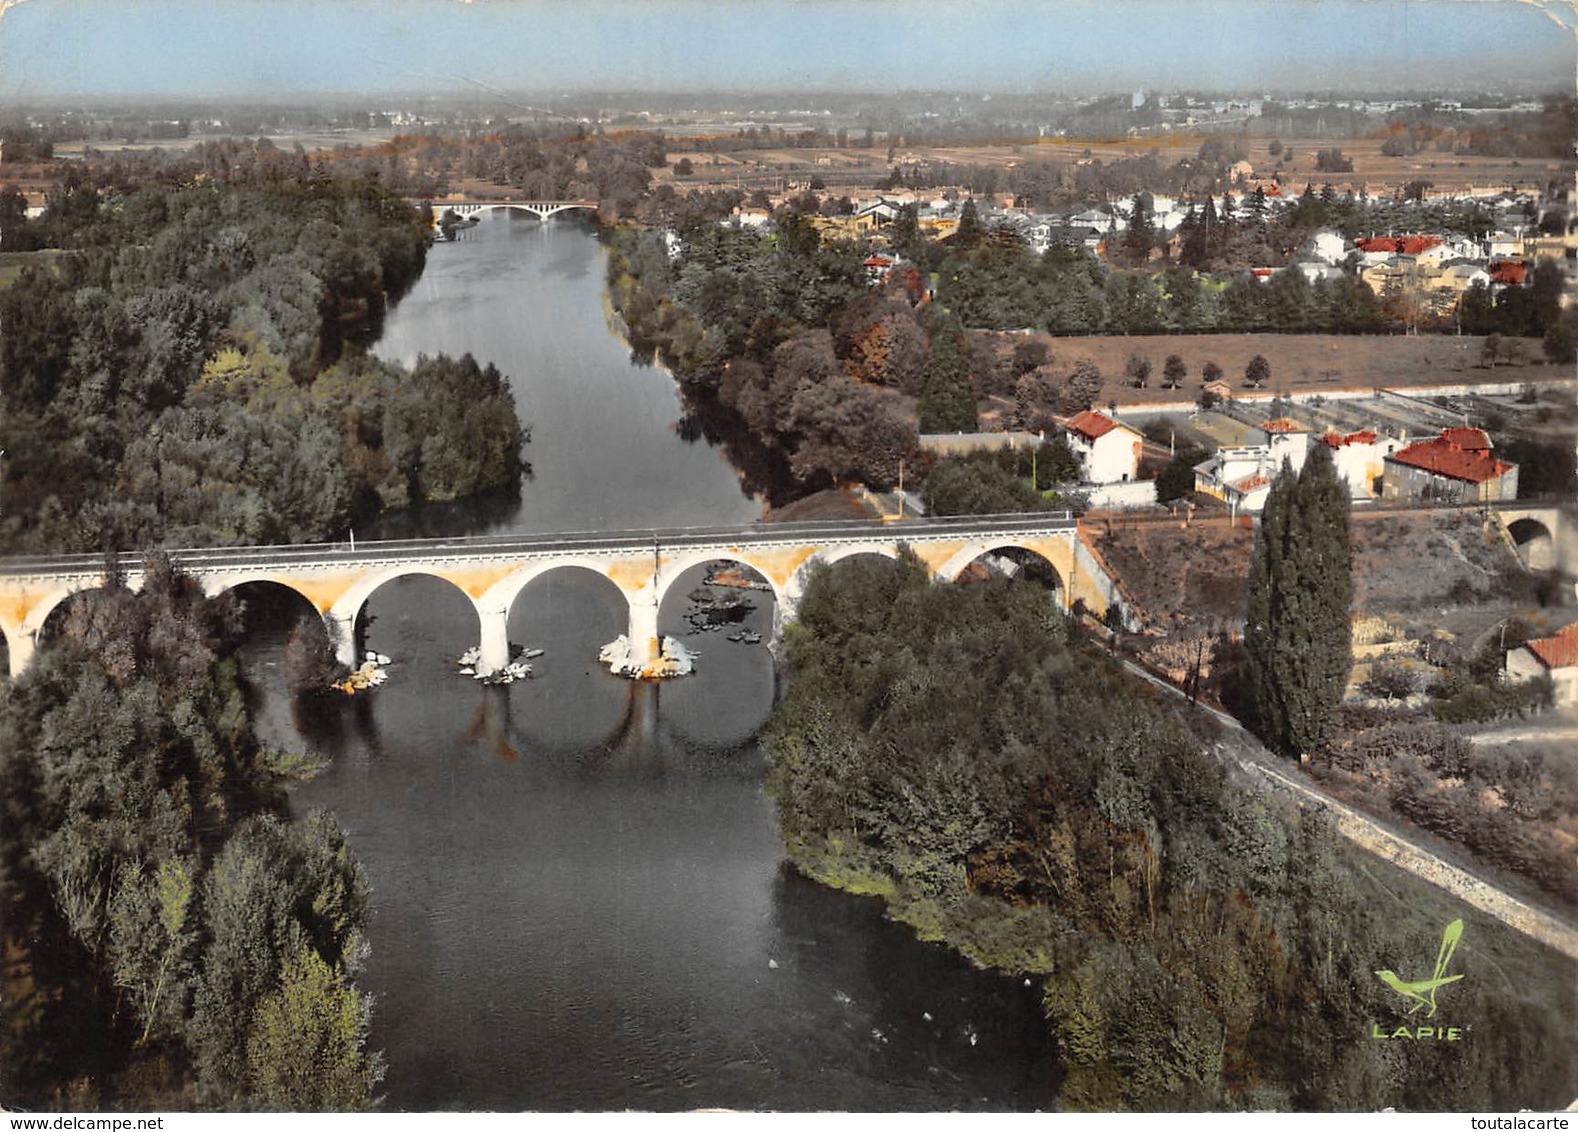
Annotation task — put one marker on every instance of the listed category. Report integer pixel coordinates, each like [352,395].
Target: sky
[180,48]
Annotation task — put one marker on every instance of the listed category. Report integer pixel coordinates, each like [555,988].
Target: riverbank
[949,750]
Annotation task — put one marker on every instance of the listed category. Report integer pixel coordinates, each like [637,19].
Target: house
[881,211]
[1457,277]
[1236,476]
[1359,459]
[1556,657]
[879,266]
[1219,389]
[1108,452]
[1508,272]
[1241,476]
[1328,247]
[1457,465]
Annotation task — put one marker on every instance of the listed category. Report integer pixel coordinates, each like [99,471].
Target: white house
[1359,459]
[1556,657]
[1241,477]
[1328,247]
[1108,452]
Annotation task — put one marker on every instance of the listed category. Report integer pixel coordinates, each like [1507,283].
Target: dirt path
[1239,748]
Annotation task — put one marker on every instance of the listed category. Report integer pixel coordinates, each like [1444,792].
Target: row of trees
[192,371]
[958,750]
[171,939]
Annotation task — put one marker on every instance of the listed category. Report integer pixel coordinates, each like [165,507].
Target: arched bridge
[337,579]
[1544,535]
[542,209]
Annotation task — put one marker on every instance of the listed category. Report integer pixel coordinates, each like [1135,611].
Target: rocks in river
[516,669]
[710,612]
[732,577]
[674,659]
[369,675]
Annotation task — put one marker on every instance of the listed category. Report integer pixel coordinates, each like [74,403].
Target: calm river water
[581,898]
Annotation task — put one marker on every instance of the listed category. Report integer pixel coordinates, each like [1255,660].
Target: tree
[1173,372]
[1491,350]
[1177,478]
[1257,372]
[946,403]
[1137,371]
[683,167]
[1211,371]
[1297,637]
[1561,340]
[970,232]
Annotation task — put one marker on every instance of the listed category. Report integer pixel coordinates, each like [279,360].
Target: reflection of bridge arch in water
[492,571]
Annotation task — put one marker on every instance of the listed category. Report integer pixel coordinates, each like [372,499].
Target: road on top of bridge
[528,544]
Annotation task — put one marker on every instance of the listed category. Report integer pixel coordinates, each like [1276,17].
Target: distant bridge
[492,571]
[542,209]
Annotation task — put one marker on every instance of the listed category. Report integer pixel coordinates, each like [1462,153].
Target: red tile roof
[1441,457]
[1282,424]
[1398,245]
[1508,271]
[1468,439]
[1091,425]
[1339,440]
[1560,651]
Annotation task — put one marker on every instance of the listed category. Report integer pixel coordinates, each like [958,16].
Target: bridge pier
[342,631]
[21,644]
[495,644]
[645,647]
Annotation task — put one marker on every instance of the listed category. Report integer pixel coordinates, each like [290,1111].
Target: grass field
[1300,363]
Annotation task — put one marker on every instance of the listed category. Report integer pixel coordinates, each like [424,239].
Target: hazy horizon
[295,50]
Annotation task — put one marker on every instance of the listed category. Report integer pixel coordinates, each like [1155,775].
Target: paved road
[1239,748]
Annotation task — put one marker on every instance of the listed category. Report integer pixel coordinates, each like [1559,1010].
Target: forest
[1005,788]
[172,939]
[193,371]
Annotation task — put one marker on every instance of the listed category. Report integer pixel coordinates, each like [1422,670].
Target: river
[581,900]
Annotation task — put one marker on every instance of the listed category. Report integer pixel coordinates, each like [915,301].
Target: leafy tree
[978,487]
[1177,478]
[1210,372]
[1561,339]
[1137,371]
[1258,371]
[1174,371]
[1297,636]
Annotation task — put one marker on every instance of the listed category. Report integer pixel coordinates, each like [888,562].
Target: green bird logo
[1423,992]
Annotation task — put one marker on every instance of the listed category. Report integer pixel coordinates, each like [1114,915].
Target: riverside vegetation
[190,373]
[171,939]
[960,752]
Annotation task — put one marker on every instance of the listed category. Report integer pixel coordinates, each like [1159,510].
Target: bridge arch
[33,624]
[961,561]
[674,568]
[1535,542]
[343,616]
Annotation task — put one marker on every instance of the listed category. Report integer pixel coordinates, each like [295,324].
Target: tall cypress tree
[947,403]
[1297,637]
